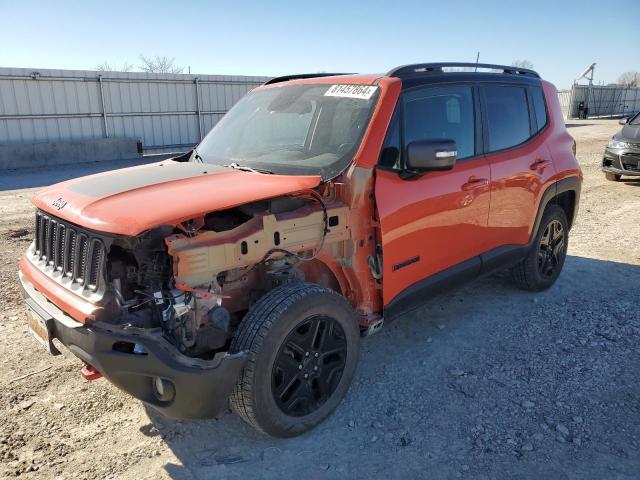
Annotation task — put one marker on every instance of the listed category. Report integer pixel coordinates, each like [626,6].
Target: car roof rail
[298,76]
[418,68]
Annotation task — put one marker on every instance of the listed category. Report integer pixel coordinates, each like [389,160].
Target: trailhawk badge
[59,203]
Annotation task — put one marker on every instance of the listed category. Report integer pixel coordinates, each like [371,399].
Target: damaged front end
[196,282]
[165,304]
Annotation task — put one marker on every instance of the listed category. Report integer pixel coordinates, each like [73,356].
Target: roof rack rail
[286,78]
[418,68]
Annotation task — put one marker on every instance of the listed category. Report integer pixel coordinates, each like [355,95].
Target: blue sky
[561,38]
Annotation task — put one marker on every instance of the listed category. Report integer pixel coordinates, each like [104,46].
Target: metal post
[571,95]
[104,111]
[198,108]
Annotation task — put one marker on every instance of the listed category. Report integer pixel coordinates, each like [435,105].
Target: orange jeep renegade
[244,272]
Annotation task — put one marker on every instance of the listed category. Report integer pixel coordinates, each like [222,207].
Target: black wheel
[613,177]
[303,344]
[542,266]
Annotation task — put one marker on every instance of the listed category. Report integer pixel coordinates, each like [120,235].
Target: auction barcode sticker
[351,91]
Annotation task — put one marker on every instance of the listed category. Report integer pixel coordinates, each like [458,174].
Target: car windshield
[292,129]
[635,120]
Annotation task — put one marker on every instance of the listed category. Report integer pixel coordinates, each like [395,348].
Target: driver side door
[433,225]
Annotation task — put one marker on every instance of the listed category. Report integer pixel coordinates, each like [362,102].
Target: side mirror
[431,155]
[623,121]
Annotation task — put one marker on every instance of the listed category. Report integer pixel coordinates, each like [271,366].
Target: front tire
[542,266]
[303,343]
[612,177]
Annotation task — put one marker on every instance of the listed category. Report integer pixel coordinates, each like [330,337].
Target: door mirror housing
[431,155]
[623,121]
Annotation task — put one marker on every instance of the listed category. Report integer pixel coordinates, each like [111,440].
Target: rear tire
[612,177]
[303,343]
[543,264]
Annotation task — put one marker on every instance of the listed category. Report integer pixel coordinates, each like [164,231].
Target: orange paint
[73,305]
[131,212]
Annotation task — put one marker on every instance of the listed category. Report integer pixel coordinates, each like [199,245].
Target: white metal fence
[166,111]
[601,101]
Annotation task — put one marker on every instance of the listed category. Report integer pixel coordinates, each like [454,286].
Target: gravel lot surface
[485,382]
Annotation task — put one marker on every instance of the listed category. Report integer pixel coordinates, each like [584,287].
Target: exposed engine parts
[186,282]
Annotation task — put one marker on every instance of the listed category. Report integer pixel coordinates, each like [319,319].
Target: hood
[131,200]
[629,133]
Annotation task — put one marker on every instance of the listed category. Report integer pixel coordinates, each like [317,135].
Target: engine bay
[195,282]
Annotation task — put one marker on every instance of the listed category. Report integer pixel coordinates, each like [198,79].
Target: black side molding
[569,184]
[415,295]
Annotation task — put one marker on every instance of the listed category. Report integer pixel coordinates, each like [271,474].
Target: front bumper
[200,388]
[621,161]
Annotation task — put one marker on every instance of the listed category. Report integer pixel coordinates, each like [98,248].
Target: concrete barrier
[51,154]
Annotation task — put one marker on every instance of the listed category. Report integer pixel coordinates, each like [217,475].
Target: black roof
[422,73]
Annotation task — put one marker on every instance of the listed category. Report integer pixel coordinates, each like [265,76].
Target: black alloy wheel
[551,248]
[302,340]
[545,259]
[309,365]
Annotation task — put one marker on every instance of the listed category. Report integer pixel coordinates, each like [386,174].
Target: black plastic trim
[406,263]
[427,68]
[202,387]
[286,78]
[414,296]
[617,171]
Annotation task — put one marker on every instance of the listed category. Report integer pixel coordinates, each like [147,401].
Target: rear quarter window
[507,113]
[539,108]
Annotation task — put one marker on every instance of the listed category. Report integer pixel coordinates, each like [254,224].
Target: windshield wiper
[197,156]
[244,168]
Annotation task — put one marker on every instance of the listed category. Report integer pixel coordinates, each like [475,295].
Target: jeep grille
[76,254]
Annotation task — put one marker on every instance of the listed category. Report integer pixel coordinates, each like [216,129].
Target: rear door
[514,117]
[437,220]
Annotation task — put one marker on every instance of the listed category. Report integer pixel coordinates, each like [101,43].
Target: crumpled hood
[131,200]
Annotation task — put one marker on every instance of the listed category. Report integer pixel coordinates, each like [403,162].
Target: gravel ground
[485,382]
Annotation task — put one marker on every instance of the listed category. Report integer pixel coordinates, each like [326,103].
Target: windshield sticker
[351,91]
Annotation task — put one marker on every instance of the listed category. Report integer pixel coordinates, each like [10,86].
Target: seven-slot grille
[74,253]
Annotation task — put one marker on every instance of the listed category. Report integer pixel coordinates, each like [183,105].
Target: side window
[441,113]
[537,98]
[507,116]
[390,157]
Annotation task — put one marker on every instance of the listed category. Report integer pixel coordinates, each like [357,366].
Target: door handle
[474,183]
[539,165]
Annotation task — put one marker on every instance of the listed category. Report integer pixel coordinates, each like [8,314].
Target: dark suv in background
[622,155]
